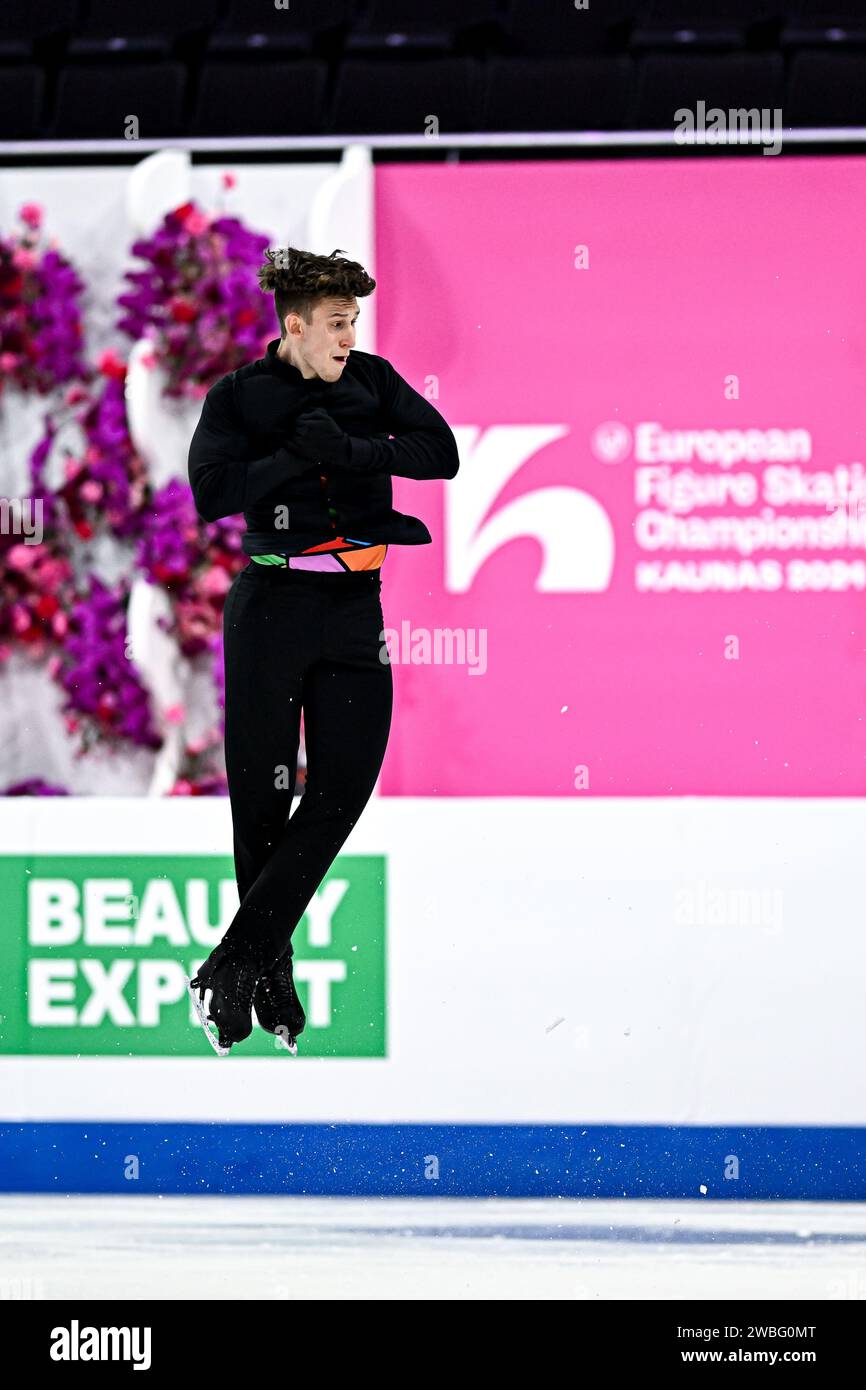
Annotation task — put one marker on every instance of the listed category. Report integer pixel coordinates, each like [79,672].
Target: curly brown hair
[299,279]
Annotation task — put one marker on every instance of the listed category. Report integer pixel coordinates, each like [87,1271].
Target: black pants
[298,639]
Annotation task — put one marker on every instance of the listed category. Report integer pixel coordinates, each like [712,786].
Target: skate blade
[287,1042]
[201,1010]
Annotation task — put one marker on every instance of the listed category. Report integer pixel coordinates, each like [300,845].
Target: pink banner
[648,577]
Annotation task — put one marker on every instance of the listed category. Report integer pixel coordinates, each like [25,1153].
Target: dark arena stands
[72,69]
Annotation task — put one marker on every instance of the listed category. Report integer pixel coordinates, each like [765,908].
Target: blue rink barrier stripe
[472,1160]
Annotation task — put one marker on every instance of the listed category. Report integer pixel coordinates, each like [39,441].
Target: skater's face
[322,348]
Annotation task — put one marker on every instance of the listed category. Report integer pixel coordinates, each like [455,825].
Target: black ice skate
[230,980]
[278,1008]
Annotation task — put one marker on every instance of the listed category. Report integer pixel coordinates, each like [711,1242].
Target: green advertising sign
[98,951]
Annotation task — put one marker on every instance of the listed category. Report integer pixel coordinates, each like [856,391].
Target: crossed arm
[224,483]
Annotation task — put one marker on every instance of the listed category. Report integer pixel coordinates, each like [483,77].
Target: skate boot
[278,1008]
[229,977]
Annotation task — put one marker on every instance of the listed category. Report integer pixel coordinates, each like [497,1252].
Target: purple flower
[199,298]
[101,683]
[107,487]
[34,786]
[41,330]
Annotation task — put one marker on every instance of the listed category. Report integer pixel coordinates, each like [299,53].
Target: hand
[318,437]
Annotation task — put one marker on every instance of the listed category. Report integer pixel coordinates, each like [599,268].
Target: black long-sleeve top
[241,457]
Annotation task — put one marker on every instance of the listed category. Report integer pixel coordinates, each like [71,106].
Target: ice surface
[347,1248]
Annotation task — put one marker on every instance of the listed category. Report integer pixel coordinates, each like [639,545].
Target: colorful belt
[366,556]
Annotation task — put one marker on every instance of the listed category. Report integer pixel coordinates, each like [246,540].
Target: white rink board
[537,971]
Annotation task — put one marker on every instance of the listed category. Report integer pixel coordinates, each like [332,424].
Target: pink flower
[196,619]
[148,360]
[183,310]
[229,180]
[195,222]
[31,215]
[22,557]
[175,714]
[215,581]
[74,395]
[91,491]
[24,259]
[182,787]
[8,361]
[111,365]
[60,624]
[51,573]
[196,746]
[20,618]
